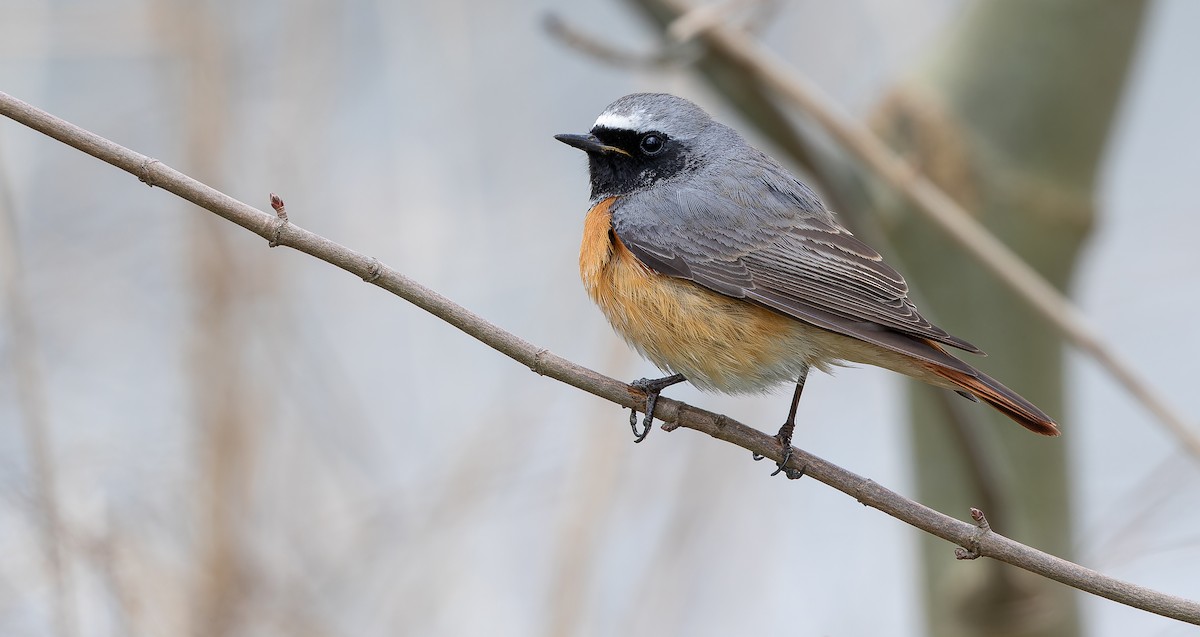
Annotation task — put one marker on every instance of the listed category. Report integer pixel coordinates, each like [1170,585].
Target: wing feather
[784,251]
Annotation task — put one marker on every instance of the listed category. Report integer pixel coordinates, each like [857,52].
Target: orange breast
[716,342]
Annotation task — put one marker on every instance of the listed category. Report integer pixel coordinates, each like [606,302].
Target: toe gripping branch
[784,437]
[652,388]
[785,434]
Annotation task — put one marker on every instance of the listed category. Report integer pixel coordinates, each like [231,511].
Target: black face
[652,156]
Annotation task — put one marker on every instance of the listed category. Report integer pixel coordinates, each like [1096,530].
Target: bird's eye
[653,143]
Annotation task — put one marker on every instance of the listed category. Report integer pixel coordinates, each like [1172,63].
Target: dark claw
[653,387]
[639,436]
[784,437]
[792,474]
[781,467]
[787,455]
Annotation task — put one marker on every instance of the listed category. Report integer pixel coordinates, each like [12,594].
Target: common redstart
[718,265]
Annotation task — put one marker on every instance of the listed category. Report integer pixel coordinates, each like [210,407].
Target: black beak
[588,144]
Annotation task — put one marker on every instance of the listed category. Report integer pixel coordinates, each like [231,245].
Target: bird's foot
[652,388]
[784,437]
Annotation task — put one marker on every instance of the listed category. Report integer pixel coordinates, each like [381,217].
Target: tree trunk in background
[1009,114]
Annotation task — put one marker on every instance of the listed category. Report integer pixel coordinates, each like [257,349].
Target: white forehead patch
[619,121]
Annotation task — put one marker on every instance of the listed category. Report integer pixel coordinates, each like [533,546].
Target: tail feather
[1007,401]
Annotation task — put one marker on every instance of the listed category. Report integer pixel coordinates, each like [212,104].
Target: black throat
[616,174]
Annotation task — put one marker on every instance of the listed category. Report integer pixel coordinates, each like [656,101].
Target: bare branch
[541,361]
[667,57]
[703,17]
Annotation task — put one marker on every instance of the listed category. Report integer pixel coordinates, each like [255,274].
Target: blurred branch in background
[664,58]
[741,69]
[226,430]
[973,538]
[33,412]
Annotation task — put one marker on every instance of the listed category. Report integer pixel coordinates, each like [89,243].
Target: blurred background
[202,436]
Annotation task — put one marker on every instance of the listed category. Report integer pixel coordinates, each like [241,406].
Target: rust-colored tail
[1007,401]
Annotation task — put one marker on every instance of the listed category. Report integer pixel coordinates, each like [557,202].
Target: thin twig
[665,57]
[743,50]
[703,17]
[545,363]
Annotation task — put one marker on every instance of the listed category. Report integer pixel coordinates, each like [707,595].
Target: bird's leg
[653,387]
[785,433]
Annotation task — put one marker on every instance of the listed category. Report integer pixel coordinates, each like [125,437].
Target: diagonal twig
[272,228]
[667,57]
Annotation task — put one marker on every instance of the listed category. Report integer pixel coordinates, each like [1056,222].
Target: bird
[723,269]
